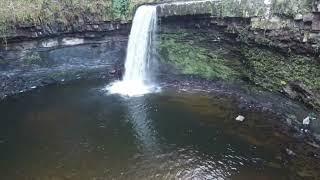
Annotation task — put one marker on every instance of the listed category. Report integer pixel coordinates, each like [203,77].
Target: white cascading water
[136,80]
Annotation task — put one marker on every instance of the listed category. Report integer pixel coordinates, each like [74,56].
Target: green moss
[245,8]
[273,70]
[33,59]
[192,59]
[290,8]
[242,8]
[120,8]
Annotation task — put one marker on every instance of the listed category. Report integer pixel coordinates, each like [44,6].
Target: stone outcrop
[26,32]
[300,92]
[29,65]
[292,25]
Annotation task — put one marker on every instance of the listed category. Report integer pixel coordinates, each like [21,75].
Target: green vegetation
[291,8]
[192,59]
[33,58]
[273,71]
[66,12]
[120,8]
[39,12]
[243,8]
[189,53]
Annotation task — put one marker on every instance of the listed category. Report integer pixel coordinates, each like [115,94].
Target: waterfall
[136,80]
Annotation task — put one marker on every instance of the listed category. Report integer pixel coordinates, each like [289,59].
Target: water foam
[136,80]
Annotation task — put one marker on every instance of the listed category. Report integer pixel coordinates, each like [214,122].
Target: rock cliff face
[296,17]
[31,32]
[287,25]
[285,32]
[32,64]
[264,66]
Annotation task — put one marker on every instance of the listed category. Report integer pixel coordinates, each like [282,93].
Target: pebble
[306,121]
[113,71]
[290,152]
[240,118]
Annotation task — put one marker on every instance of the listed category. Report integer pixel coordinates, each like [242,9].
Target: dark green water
[79,132]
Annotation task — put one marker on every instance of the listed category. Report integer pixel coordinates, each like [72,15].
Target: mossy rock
[34,58]
[190,58]
[273,70]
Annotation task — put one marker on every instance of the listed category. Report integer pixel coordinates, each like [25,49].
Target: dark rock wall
[271,58]
[27,32]
[32,64]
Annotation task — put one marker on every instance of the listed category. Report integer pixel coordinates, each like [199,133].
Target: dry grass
[36,12]
[39,12]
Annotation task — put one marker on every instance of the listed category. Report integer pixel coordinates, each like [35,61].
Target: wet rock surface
[300,92]
[270,67]
[90,28]
[29,65]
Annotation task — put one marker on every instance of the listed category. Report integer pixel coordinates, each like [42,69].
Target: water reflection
[173,161]
[71,133]
[144,131]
